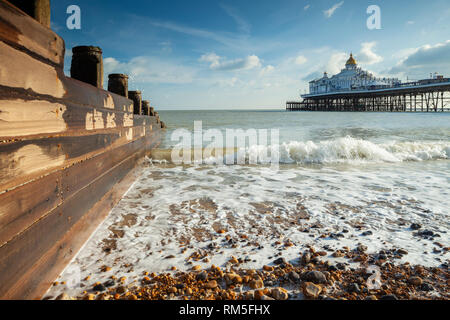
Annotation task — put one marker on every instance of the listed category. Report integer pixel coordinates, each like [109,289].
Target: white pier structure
[354,89]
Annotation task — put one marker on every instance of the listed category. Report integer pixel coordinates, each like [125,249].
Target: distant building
[351,77]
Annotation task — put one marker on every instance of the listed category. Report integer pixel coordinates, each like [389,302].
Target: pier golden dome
[351,60]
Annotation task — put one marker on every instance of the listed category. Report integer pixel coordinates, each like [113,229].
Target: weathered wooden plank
[19,254]
[22,206]
[20,70]
[21,118]
[20,30]
[26,160]
[30,262]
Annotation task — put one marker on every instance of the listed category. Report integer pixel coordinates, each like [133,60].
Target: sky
[229,54]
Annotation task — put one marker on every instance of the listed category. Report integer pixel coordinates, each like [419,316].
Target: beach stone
[267,268]
[367,233]
[426,287]
[173,290]
[259,294]
[306,258]
[256,284]
[99,287]
[382,257]
[415,226]
[332,268]
[280,294]
[426,233]
[89,297]
[109,283]
[264,297]
[315,260]
[315,277]
[294,276]
[371,298]
[280,261]
[63,296]
[211,284]
[232,278]
[202,276]
[341,266]
[311,290]
[402,251]
[354,288]
[338,254]
[415,281]
[233,260]
[237,279]
[361,248]
[180,286]
[121,290]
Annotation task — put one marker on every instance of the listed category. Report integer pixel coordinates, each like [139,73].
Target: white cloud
[219,63]
[336,62]
[424,60]
[328,13]
[267,70]
[300,60]
[307,7]
[367,54]
[212,58]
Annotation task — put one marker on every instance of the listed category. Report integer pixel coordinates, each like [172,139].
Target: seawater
[344,179]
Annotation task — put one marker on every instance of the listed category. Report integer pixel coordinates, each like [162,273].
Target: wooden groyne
[68,148]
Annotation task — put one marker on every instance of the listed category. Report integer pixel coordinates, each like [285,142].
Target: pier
[409,97]
[354,89]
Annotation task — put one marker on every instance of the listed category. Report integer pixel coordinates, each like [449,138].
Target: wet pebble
[415,226]
[99,287]
[315,277]
[294,276]
[280,261]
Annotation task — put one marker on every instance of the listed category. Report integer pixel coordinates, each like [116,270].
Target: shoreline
[153,232]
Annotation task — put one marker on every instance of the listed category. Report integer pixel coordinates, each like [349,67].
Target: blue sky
[254,53]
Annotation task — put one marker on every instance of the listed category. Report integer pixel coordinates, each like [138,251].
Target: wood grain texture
[23,32]
[19,254]
[35,259]
[22,206]
[23,161]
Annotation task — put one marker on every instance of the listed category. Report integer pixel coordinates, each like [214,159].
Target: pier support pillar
[136,96]
[118,84]
[87,65]
[146,107]
[37,9]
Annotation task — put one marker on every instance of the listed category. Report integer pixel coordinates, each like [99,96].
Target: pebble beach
[338,209]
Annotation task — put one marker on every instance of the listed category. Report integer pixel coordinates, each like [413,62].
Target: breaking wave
[351,150]
[335,151]
[348,149]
